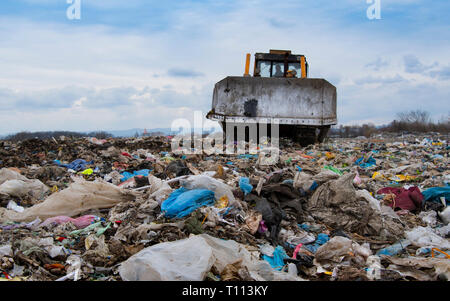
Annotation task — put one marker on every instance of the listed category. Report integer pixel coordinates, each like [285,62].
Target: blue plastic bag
[247,156]
[322,239]
[304,227]
[182,202]
[77,165]
[276,260]
[313,186]
[434,194]
[244,184]
[370,162]
[127,175]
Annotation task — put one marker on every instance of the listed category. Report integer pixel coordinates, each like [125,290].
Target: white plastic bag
[182,260]
[13,206]
[425,237]
[445,215]
[373,202]
[159,190]
[6,250]
[429,217]
[79,197]
[205,182]
[20,188]
[190,259]
[7,174]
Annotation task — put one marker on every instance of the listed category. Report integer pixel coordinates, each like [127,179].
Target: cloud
[413,64]
[109,98]
[50,99]
[279,23]
[378,64]
[380,80]
[442,74]
[179,72]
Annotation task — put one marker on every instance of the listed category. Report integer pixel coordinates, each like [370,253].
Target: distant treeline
[407,122]
[48,135]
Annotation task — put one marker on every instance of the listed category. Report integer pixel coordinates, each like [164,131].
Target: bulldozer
[305,108]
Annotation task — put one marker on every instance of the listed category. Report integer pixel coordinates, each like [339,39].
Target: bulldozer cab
[280,63]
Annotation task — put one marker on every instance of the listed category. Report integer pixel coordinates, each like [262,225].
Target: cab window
[295,67]
[278,69]
[264,68]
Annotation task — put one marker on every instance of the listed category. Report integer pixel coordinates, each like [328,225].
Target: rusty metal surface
[307,101]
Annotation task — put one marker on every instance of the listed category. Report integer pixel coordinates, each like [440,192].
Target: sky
[143,64]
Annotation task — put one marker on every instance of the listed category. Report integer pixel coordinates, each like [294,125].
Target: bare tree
[415,116]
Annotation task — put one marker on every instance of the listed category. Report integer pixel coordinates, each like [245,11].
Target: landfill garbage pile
[133,209]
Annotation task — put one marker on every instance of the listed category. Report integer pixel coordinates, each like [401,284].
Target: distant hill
[132,132]
[159,131]
[99,134]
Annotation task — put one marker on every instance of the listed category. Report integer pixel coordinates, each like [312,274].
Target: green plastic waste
[86,230]
[103,230]
[333,169]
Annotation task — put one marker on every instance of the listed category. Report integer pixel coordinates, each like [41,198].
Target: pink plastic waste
[297,248]
[357,180]
[80,222]
[262,227]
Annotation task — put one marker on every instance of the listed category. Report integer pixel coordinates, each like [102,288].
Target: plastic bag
[159,190]
[303,180]
[244,184]
[434,194]
[182,260]
[357,180]
[302,238]
[13,206]
[127,175]
[79,197]
[425,237]
[333,169]
[192,258]
[429,217]
[334,249]
[266,249]
[7,174]
[276,260]
[77,165]
[322,239]
[74,271]
[373,202]
[6,250]
[182,202]
[21,188]
[220,189]
[97,141]
[30,245]
[366,163]
[80,222]
[445,215]
[325,176]
[443,231]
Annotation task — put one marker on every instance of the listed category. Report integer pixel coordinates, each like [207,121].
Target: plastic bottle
[395,248]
